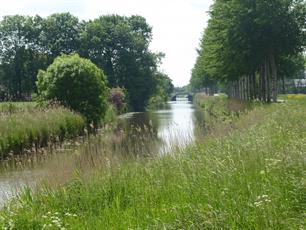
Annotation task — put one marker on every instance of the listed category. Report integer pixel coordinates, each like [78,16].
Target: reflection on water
[137,135]
[176,125]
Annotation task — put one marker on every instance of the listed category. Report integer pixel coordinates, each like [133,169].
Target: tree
[60,34]
[76,83]
[244,43]
[120,46]
[18,56]
[164,89]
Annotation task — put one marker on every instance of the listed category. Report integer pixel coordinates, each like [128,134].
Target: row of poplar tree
[250,45]
[119,45]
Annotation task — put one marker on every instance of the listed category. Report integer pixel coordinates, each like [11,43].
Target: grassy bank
[250,177]
[14,107]
[23,126]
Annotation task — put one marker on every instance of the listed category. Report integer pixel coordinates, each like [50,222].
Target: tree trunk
[236,90]
[283,84]
[254,86]
[244,87]
[240,89]
[274,78]
[248,87]
[263,84]
[260,84]
[267,81]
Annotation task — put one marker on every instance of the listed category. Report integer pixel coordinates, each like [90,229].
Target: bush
[76,83]
[118,99]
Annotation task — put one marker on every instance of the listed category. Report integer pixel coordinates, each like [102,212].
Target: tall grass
[13,107]
[220,112]
[23,126]
[253,177]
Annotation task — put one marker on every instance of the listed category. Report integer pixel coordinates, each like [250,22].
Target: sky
[177,24]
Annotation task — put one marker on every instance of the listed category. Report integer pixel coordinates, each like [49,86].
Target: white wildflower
[262,200]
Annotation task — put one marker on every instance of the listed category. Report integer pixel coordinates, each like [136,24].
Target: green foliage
[248,38]
[31,43]
[216,106]
[77,84]
[164,89]
[292,67]
[60,34]
[187,89]
[110,115]
[156,102]
[24,126]
[19,56]
[118,99]
[252,178]
[120,46]
[220,109]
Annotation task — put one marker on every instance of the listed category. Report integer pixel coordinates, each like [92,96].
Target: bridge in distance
[182,97]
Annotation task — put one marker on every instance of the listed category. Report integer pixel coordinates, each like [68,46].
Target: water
[136,135]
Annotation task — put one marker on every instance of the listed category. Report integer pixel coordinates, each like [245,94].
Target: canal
[136,135]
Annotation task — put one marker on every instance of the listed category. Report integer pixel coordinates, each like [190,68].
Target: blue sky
[177,24]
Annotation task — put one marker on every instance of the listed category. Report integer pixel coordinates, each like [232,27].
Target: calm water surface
[137,134]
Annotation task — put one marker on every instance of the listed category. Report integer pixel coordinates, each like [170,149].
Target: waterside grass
[26,127]
[251,177]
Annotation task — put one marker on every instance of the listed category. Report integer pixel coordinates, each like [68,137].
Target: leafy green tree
[60,34]
[164,89]
[76,83]
[19,56]
[164,85]
[120,46]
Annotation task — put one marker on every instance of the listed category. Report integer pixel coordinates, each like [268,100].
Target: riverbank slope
[248,174]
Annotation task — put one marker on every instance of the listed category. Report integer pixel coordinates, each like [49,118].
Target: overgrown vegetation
[26,127]
[220,109]
[252,176]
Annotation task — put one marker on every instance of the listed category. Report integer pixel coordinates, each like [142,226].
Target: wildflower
[262,200]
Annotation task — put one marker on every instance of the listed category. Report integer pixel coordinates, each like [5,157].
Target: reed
[24,126]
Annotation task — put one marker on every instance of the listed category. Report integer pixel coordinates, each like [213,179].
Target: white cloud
[177,25]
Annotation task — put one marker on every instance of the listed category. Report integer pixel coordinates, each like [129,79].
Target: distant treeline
[251,45]
[119,45]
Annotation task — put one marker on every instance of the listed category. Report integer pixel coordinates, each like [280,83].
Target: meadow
[25,127]
[248,173]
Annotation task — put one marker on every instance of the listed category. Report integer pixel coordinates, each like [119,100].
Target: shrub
[76,83]
[118,99]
